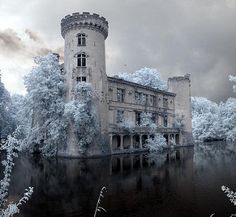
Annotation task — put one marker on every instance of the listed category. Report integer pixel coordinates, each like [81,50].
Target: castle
[84,61]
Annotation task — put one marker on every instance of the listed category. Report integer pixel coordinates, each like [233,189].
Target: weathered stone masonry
[84,61]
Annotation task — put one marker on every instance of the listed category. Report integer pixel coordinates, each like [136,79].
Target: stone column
[111,143]
[131,142]
[121,142]
[140,141]
[168,135]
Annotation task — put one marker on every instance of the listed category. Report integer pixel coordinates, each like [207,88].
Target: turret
[84,52]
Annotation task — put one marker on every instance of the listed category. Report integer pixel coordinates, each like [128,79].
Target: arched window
[81,60]
[81,39]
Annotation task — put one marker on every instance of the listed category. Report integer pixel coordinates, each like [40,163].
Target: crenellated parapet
[84,20]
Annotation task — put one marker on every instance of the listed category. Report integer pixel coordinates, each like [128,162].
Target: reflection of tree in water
[214,152]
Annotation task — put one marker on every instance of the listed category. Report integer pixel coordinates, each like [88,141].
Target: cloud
[176,37]
[33,35]
[10,42]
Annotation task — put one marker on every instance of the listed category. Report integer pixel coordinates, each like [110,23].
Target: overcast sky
[174,36]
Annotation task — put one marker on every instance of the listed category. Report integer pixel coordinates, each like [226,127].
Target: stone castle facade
[84,61]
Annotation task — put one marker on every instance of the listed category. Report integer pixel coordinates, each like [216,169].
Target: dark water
[184,183]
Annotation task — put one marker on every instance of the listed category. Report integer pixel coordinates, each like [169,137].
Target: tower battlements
[84,20]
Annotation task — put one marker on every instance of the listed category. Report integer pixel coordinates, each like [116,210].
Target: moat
[183,182]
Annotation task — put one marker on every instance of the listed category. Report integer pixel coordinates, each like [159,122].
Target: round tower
[84,58]
[84,51]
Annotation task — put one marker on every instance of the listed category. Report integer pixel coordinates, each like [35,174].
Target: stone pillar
[121,142]
[168,135]
[140,141]
[111,143]
[131,142]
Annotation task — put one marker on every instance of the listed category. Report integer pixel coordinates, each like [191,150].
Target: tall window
[137,118]
[120,95]
[151,100]
[81,39]
[154,118]
[81,60]
[138,97]
[144,99]
[120,116]
[165,120]
[165,102]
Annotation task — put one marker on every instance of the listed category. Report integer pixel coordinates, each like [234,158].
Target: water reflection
[173,183]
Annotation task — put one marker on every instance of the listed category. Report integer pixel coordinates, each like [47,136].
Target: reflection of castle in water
[72,186]
[173,183]
[125,163]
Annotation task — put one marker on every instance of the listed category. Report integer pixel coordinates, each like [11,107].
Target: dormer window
[81,60]
[81,39]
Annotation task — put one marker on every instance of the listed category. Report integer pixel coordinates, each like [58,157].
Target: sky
[173,36]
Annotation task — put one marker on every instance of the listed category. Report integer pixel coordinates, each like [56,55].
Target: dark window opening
[137,118]
[81,79]
[81,40]
[165,120]
[120,95]
[81,60]
[138,97]
[120,116]
[165,102]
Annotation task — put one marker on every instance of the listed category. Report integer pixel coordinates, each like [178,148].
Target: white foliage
[146,121]
[233,79]
[13,208]
[212,121]
[179,121]
[145,76]
[230,194]
[12,146]
[157,143]
[81,112]
[126,124]
[44,106]
[7,122]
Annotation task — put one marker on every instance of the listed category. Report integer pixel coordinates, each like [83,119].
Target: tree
[233,79]
[81,113]
[7,125]
[205,115]
[212,121]
[12,146]
[44,106]
[145,76]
